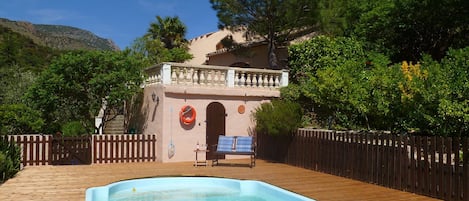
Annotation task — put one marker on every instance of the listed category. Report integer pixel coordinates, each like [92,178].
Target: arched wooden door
[216,116]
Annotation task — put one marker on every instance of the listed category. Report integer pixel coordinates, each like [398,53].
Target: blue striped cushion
[225,143]
[244,144]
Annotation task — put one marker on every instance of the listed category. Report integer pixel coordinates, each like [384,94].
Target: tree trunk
[273,60]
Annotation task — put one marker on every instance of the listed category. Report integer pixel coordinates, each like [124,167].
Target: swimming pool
[191,189]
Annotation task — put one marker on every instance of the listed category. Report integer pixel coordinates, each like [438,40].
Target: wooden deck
[70,182]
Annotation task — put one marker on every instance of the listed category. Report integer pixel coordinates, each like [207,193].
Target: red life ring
[187,114]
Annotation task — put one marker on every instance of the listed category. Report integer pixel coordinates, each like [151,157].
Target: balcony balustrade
[215,76]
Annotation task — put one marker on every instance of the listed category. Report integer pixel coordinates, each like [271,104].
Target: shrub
[19,119]
[10,160]
[73,128]
[278,117]
[321,52]
[342,86]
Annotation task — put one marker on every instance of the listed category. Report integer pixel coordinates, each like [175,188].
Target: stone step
[113,130]
[115,126]
[118,118]
[114,123]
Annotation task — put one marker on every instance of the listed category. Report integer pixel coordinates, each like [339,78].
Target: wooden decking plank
[70,182]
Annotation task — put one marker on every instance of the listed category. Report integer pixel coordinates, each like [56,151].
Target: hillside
[17,50]
[59,37]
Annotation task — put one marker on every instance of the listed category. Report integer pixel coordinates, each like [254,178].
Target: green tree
[77,84]
[436,100]
[9,49]
[19,119]
[15,81]
[164,41]
[454,106]
[348,87]
[405,29]
[340,84]
[275,20]
[169,30]
[322,52]
[332,16]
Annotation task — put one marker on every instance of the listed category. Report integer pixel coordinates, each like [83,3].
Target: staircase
[115,126]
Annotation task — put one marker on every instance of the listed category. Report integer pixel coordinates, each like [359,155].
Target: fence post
[447,183]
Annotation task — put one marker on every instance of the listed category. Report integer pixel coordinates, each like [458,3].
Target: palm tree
[169,30]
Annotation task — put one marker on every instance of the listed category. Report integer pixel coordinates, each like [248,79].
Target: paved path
[70,182]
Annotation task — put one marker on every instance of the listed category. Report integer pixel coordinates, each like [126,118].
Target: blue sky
[119,20]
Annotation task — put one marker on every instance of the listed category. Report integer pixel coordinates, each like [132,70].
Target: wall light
[155,98]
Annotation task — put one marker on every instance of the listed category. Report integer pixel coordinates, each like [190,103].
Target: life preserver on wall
[187,114]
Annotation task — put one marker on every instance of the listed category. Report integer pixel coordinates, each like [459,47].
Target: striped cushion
[244,144]
[225,143]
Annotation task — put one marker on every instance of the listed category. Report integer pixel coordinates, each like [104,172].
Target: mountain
[17,50]
[59,37]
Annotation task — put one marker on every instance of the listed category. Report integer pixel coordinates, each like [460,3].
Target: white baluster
[155,79]
[266,80]
[181,76]
[202,77]
[260,81]
[271,81]
[151,79]
[222,79]
[242,80]
[195,77]
[216,78]
[174,77]
[189,73]
[209,78]
[255,80]
[236,79]
[277,81]
[249,80]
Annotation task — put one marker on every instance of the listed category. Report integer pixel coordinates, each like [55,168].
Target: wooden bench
[235,145]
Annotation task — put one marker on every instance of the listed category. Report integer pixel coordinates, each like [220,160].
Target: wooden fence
[38,149]
[124,148]
[432,166]
[35,149]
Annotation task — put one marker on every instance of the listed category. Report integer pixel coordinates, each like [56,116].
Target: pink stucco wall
[163,119]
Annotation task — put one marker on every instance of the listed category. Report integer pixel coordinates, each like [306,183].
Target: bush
[321,52]
[10,160]
[19,119]
[278,117]
[73,128]
[341,86]
[331,76]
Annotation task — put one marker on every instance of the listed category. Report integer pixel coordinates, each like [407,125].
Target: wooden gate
[71,150]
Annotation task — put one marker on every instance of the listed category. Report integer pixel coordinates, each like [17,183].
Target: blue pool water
[191,189]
